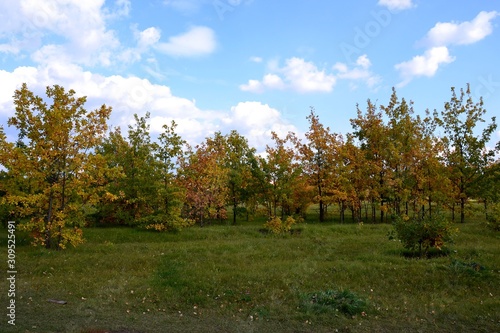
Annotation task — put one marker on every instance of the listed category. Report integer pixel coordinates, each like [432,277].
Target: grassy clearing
[237,279]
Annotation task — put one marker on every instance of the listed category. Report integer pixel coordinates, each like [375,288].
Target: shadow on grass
[292,232]
[409,254]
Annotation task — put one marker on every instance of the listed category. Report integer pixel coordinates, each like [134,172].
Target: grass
[236,279]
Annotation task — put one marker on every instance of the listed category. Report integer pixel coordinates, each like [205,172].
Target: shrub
[421,233]
[493,217]
[276,226]
[162,222]
[343,301]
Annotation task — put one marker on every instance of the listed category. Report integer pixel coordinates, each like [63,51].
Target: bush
[162,222]
[276,226]
[493,217]
[343,301]
[422,233]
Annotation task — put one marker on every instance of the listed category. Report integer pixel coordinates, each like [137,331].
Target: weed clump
[343,301]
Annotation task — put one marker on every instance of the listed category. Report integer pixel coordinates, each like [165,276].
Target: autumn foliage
[66,170]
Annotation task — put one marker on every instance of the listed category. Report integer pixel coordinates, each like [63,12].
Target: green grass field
[237,279]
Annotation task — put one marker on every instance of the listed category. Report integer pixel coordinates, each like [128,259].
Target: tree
[238,159]
[319,156]
[147,194]
[136,191]
[170,194]
[54,171]
[371,135]
[284,176]
[465,153]
[353,179]
[204,177]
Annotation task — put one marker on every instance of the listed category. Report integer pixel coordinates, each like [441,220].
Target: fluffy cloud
[469,32]
[396,5]
[304,76]
[424,65]
[360,72]
[30,21]
[51,31]
[258,120]
[129,95]
[195,42]
[438,39]
[297,75]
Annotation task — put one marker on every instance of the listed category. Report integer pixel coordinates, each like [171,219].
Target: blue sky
[252,65]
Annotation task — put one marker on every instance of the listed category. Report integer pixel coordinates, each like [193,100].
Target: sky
[252,65]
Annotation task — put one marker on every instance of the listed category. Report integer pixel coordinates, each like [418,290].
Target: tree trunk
[342,209]
[486,208]
[453,212]
[462,210]
[430,206]
[462,200]
[235,207]
[373,211]
[321,211]
[382,211]
[48,220]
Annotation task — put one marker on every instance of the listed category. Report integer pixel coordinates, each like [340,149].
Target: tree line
[67,169]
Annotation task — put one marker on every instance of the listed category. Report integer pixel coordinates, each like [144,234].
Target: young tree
[284,173]
[168,153]
[320,156]
[54,170]
[465,153]
[354,181]
[147,193]
[204,177]
[238,162]
[371,134]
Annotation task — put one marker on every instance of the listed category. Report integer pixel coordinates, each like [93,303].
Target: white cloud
[424,65]
[360,72]
[80,24]
[305,77]
[257,121]
[51,31]
[195,42]
[254,86]
[469,32]
[363,61]
[122,8]
[273,81]
[396,5]
[129,95]
[148,37]
[297,75]
[256,59]
[439,38]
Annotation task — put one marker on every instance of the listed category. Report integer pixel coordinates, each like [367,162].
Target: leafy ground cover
[236,279]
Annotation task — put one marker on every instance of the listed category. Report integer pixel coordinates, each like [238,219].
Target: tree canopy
[66,170]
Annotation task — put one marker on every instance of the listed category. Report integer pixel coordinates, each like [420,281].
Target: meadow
[224,278]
